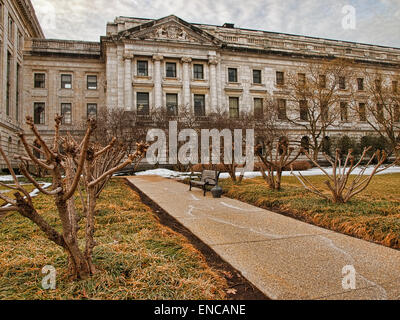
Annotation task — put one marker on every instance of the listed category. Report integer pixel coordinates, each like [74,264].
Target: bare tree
[315,93]
[381,108]
[339,184]
[275,160]
[65,159]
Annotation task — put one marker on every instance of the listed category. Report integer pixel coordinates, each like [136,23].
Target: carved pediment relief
[171,29]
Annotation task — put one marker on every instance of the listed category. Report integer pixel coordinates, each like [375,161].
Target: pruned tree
[341,188]
[275,159]
[315,93]
[380,105]
[65,159]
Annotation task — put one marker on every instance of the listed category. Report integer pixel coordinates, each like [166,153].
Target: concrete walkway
[283,257]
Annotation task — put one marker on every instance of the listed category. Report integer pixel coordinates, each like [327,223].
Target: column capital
[158,57]
[186,60]
[213,60]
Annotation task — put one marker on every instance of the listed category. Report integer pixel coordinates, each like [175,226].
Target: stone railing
[63,47]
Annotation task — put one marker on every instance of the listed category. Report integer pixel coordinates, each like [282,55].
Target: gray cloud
[378,21]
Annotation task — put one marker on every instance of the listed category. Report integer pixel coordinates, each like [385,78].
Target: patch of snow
[8,178]
[249,175]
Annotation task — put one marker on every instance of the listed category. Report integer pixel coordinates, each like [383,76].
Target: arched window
[305,143]
[283,144]
[326,145]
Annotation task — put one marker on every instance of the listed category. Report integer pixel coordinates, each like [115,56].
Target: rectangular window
[362,112]
[91,110]
[10,28]
[199,105]
[198,71]
[142,68]
[342,83]
[378,84]
[232,75]
[92,82]
[234,107]
[379,112]
[303,110]
[396,113]
[39,113]
[302,79]
[322,81]
[40,80]
[343,111]
[172,104]
[258,107]
[280,78]
[171,69]
[282,115]
[66,81]
[66,112]
[143,105]
[395,86]
[257,77]
[20,42]
[8,92]
[18,93]
[360,84]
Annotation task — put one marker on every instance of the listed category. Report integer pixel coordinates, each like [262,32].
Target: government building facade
[144,64]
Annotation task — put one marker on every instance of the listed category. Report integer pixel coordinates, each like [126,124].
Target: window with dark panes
[258,107]
[198,71]
[257,76]
[302,79]
[282,115]
[39,113]
[91,110]
[232,75]
[92,82]
[142,68]
[303,110]
[343,111]
[322,81]
[40,80]
[280,78]
[395,86]
[234,107]
[362,112]
[360,84]
[10,28]
[342,83]
[142,103]
[170,69]
[172,104]
[199,105]
[66,81]
[397,113]
[66,112]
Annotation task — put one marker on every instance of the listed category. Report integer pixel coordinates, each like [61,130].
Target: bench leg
[190,187]
[205,190]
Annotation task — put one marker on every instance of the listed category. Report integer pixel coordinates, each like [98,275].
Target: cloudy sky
[377,21]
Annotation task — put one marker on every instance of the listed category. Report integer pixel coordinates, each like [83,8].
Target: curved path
[283,257]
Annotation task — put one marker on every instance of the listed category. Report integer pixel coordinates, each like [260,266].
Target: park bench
[208,178]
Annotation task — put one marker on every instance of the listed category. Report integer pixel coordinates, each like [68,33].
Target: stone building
[142,64]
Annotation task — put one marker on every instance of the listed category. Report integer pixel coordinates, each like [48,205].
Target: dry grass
[373,215]
[138,257]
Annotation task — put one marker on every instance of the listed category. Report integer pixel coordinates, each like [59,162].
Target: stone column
[157,81]
[186,82]
[128,90]
[213,62]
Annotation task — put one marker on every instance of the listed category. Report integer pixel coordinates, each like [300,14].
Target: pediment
[170,29]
